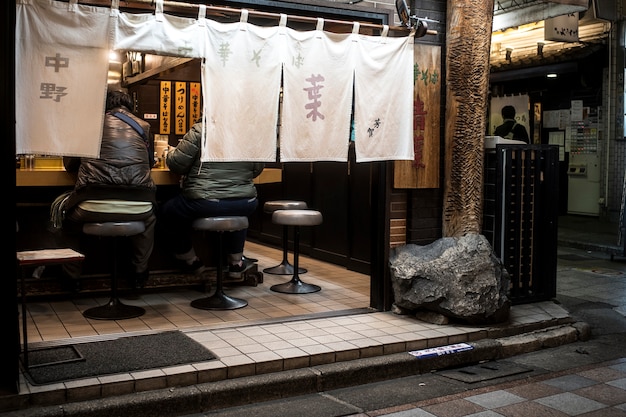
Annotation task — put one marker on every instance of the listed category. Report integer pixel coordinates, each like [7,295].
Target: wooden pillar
[468,43]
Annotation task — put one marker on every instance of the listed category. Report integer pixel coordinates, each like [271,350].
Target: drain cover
[484,372]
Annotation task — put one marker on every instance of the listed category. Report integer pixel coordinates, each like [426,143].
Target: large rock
[460,278]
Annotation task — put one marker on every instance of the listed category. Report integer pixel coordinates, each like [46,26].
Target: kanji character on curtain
[61,77]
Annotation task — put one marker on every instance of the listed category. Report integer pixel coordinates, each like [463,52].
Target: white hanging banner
[61,66]
[383,101]
[317,97]
[160,34]
[241,89]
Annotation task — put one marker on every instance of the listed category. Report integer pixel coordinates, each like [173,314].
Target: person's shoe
[251,260]
[139,279]
[235,271]
[197,267]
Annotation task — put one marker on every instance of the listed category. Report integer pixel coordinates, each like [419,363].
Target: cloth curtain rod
[220,11]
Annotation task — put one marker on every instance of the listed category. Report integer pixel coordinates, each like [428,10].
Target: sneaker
[235,271]
[197,267]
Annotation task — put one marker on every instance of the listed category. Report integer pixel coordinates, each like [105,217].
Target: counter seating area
[37,188]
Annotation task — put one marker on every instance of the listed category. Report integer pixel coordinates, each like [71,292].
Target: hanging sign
[423,170]
[165,107]
[181,108]
[562,28]
[194,103]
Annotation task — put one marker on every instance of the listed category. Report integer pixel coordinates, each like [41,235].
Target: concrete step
[186,392]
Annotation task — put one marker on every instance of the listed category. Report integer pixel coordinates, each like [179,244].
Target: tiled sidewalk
[256,349]
[590,391]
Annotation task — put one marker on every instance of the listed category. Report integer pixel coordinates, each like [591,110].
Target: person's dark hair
[117,98]
[508,112]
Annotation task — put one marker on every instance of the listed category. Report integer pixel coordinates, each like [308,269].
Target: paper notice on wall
[552,119]
[558,138]
[576,111]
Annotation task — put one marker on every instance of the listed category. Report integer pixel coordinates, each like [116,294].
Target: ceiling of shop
[513,13]
[526,41]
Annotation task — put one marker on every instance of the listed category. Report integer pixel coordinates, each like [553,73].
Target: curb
[218,395]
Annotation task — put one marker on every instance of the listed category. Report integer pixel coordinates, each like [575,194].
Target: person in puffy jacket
[208,189]
[117,186]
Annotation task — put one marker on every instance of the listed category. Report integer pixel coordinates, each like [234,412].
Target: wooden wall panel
[423,171]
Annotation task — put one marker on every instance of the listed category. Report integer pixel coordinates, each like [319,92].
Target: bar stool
[219,300]
[114,309]
[284,268]
[296,218]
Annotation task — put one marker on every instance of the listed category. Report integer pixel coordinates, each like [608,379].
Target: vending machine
[583,171]
[583,184]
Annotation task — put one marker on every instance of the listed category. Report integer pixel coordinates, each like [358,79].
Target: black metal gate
[521,214]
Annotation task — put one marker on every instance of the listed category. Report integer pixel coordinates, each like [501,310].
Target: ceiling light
[552,75]
[114,57]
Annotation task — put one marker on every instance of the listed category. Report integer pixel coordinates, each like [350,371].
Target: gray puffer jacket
[123,169]
[210,180]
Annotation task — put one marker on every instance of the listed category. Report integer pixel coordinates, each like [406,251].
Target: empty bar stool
[296,218]
[114,309]
[219,300]
[284,268]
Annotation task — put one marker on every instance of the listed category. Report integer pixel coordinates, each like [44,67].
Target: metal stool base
[219,301]
[283,269]
[114,310]
[295,286]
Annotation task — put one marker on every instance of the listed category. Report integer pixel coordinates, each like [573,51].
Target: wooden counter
[59,177]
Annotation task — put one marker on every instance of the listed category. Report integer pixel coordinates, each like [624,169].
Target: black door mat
[484,372]
[121,355]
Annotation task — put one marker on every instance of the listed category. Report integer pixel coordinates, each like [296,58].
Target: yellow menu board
[165,107]
[181,108]
[194,103]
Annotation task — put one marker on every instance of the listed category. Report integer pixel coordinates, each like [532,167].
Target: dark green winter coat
[210,180]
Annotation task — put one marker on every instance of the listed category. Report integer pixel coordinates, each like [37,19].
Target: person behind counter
[208,189]
[510,129]
[118,186]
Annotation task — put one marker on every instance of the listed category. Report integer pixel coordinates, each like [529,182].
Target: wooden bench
[37,258]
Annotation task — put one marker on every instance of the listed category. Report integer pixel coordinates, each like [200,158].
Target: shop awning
[512,13]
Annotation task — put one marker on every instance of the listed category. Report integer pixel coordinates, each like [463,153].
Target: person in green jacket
[208,189]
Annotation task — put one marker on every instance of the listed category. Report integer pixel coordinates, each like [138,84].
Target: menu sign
[181,108]
[165,103]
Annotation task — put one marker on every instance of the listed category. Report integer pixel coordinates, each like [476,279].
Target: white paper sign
[562,28]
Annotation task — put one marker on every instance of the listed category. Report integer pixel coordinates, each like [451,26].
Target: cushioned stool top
[297,217]
[272,206]
[114,228]
[221,224]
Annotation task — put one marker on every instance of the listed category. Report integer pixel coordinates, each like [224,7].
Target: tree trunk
[467,82]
